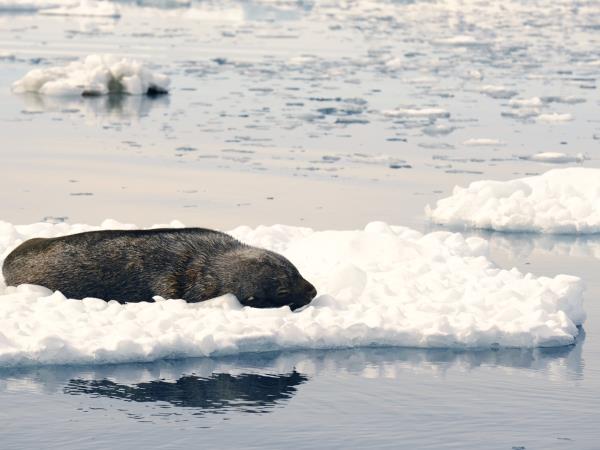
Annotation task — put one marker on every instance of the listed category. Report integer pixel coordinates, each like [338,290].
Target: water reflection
[249,392]
[263,379]
[96,109]
[522,245]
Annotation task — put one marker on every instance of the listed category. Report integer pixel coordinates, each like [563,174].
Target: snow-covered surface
[87,8]
[561,201]
[95,75]
[384,285]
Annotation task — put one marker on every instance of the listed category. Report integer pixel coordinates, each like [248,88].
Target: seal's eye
[282,292]
[250,299]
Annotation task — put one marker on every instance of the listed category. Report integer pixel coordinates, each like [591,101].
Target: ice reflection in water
[256,383]
[96,109]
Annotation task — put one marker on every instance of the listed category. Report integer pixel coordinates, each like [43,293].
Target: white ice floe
[496,91]
[525,102]
[561,201]
[384,285]
[86,8]
[482,142]
[555,118]
[555,157]
[95,75]
[461,41]
[431,113]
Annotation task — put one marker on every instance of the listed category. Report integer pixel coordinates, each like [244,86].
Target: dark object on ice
[195,264]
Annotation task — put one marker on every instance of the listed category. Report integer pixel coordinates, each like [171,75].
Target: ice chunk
[496,91]
[95,75]
[555,157]
[482,142]
[430,113]
[561,201]
[555,118]
[384,285]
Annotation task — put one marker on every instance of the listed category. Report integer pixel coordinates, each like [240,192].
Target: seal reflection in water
[247,392]
[195,264]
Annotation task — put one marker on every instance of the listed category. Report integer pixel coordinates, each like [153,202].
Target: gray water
[276,116]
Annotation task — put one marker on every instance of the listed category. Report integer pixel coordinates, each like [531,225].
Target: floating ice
[95,75]
[525,102]
[461,41]
[555,158]
[482,142]
[86,8]
[384,285]
[555,117]
[495,91]
[561,201]
[431,113]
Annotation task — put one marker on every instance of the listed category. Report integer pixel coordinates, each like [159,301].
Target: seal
[195,264]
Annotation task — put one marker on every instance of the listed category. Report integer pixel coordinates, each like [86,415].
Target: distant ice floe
[496,91]
[95,75]
[462,41]
[482,142]
[384,285]
[86,8]
[430,113]
[561,201]
[555,158]
[554,118]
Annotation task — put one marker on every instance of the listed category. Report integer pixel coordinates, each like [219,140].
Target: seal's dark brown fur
[195,264]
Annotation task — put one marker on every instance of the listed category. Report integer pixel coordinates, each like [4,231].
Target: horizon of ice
[381,286]
[86,8]
[560,201]
[94,75]
[31,6]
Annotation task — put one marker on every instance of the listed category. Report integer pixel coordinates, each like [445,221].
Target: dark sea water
[277,115]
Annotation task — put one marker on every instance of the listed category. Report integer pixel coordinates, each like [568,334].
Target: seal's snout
[306,294]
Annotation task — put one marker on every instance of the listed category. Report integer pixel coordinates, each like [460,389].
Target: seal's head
[263,279]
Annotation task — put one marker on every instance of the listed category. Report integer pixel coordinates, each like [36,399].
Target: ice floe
[482,142]
[555,157]
[431,113]
[561,201]
[383,285]
[95,75]
[555,118]
[496,91]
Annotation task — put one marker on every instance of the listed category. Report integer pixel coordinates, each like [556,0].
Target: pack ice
[380,286]
[94,75]
[560,201]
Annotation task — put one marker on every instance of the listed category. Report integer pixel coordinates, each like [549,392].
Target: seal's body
[195,264]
